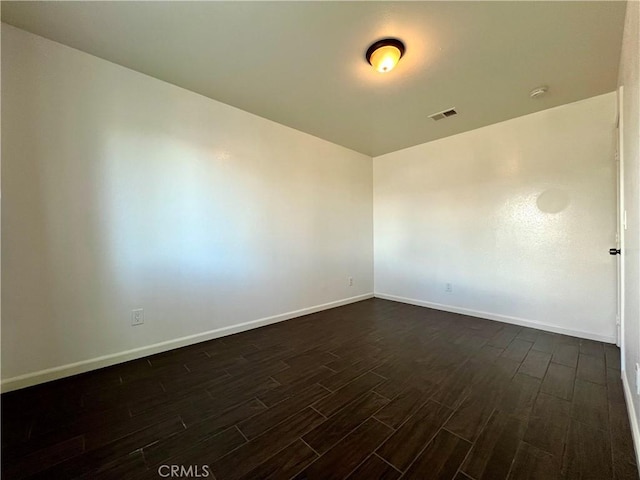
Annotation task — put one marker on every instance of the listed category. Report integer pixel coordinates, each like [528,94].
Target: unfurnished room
[320,240]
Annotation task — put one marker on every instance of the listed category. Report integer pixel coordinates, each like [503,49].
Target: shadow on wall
[173,210]
[553,200]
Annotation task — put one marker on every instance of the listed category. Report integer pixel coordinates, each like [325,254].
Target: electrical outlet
[351,281]
[448,287]
[137,317]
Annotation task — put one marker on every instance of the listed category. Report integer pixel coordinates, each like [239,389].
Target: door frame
[621,226]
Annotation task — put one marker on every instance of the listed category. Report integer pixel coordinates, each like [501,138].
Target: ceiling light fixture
[384,54]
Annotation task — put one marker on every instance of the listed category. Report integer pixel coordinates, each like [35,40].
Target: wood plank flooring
[371,390]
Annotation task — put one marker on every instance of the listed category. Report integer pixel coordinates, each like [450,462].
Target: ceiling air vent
[444,114]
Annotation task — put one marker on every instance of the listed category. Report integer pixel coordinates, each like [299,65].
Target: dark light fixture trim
[381,54]
[385,42]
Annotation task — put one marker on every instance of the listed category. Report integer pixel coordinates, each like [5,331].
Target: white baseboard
[500,318]
[631,412]
[62,371]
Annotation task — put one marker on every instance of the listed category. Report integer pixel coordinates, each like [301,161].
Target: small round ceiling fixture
[538,92]
[384,54]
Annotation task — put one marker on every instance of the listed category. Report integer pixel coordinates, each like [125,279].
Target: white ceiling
[302,63]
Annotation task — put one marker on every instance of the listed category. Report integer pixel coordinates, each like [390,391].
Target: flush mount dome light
[385,54]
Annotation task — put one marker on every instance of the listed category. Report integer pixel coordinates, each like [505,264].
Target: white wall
[517,216]
[121,191]
[629,79]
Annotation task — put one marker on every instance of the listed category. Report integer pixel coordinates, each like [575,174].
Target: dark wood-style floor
[372,390]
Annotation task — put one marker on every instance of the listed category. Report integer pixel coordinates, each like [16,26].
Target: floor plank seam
[431,438]
[384,423]
[508,476]
[318,412]
[261,403]
[375,454]
[456,435]
[362,462]
[241,433]
[310,447]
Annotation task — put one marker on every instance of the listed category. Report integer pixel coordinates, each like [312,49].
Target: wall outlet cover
[137,316]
